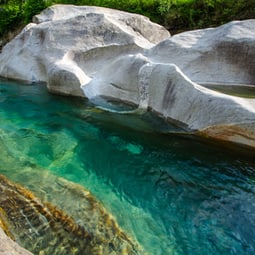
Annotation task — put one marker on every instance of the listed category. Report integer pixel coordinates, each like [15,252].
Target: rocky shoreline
[109,55]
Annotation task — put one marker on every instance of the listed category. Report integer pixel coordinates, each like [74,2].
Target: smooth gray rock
[206,112]
[9,247]
[166,90]
[224,55]
[69,44]
[166,79]
[119,80]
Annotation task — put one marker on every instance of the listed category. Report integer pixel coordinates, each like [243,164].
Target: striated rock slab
[42,228]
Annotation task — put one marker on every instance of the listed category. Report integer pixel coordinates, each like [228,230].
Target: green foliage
[190,14]
[176,15]
[33,7]
[10,15]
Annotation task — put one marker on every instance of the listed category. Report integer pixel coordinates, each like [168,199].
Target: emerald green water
[174,195]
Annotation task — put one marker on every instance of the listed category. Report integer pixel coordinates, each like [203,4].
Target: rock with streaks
[43,228]
[221,55]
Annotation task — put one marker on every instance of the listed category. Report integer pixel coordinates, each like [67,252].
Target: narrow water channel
[172,194]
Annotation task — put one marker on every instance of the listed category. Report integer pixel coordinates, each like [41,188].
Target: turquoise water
[173,194]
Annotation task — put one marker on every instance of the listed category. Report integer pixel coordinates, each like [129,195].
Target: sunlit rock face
[166,90]
[112,56]
[222,55]
[67,45]
[196,108]
[167,78]
[43,228]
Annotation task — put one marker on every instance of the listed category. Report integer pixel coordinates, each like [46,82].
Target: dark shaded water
[174,195]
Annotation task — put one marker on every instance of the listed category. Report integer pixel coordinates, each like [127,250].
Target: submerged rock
[42,228]
[112,56]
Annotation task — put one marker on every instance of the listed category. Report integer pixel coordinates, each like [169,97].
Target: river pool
[173,194]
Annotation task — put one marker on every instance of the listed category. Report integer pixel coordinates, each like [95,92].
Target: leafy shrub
[175,15]
[190,14]
[33,7]
[10,16]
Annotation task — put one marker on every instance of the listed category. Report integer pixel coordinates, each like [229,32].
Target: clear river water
[174,194]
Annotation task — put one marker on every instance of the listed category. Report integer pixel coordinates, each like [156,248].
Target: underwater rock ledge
[42,228]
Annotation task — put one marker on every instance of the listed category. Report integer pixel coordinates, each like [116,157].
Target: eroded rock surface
[68,44]
[223,55]
[108,56]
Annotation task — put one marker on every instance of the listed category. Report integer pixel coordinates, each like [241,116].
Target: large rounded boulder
[68,44]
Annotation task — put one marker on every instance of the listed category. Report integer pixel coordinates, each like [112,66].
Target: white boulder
[109,55]
[68,44]
[223,55]
[164,89]
[166,80]
[197,109]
